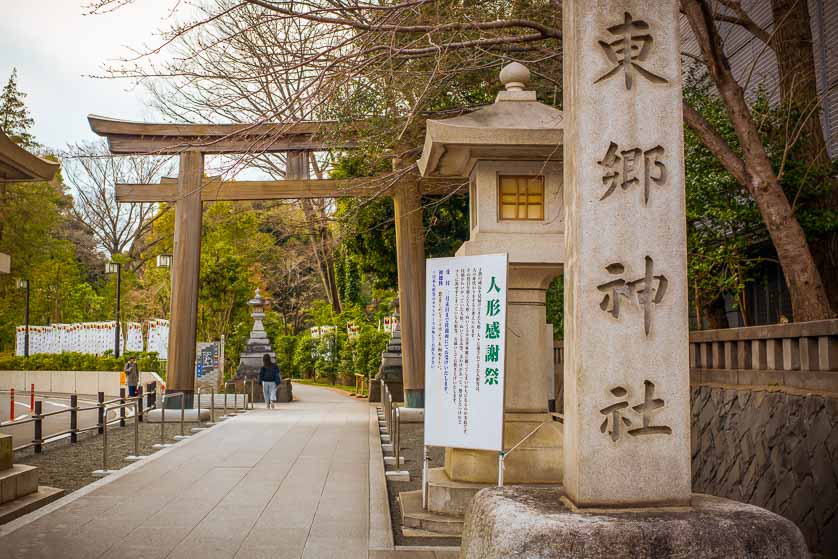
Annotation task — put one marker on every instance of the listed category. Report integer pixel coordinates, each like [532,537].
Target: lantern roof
[515,127]
[257,300]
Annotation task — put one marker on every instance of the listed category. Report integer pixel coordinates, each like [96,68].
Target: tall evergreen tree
[14,116]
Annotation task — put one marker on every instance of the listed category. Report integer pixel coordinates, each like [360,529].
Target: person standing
[269,375]
[132,376]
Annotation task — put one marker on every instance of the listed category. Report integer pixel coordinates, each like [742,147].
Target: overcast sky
[54,46]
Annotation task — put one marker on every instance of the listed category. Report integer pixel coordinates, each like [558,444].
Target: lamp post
[164,260]
[24,284]
[116,268]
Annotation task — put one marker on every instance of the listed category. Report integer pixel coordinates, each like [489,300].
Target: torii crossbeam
[191,142]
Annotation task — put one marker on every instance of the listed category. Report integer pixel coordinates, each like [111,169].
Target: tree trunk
[792,43]
[808,296]
[298,167]
[320,238]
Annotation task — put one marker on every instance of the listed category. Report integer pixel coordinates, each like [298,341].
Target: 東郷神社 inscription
[626,328]
[632,45]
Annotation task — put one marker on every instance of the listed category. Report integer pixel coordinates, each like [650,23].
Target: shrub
[346,361]
[370,344]
[326,364]
[80,362]
[304,355]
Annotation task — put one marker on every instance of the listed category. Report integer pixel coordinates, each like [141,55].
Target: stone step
[26,504]
[448,497]
[18,481]
[414,517]
[417,533]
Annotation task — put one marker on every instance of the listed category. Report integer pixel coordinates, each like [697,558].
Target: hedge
[80,362]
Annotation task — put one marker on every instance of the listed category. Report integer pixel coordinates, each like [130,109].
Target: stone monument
[258,344]
[627,479]
[19,489]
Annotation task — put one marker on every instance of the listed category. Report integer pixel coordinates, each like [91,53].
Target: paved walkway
[286,483]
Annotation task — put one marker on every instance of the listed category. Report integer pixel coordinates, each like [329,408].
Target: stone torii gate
[191,142]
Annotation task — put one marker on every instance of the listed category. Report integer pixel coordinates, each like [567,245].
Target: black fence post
[140,403]
[151,388]
[74,418]
[101,411]
[39,426]
[122,407]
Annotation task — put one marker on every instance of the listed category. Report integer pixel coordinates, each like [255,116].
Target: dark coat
[270,374]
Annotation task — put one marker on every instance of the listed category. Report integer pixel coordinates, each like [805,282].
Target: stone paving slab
[291,482]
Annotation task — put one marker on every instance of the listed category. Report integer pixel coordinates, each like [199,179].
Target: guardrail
[198,394]
[38,417]
[121,407]
[248,404]
[387,404]
[163,414]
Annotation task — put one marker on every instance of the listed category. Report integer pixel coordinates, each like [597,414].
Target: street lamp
[164,260]
[24,284]
[116,268]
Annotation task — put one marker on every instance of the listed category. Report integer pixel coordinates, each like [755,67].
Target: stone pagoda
[258,343]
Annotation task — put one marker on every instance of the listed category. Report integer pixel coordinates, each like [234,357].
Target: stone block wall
[773,449]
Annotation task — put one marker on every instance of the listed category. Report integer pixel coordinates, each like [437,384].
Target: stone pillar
[627,399]
[186,268]
[626,372]
[410,254]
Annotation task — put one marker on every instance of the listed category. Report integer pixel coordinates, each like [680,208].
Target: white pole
[500,468]
[425,461]
[221,359]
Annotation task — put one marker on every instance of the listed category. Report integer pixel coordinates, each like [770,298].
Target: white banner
[465,337]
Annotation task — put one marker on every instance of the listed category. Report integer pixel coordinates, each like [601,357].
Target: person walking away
[269,375]
[132,376]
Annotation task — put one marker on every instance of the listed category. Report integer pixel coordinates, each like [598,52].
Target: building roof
[18,165]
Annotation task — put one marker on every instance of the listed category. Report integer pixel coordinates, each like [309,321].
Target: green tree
[367,227]
[15,119]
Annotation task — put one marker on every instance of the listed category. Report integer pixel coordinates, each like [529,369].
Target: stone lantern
[511,154]
[258,344]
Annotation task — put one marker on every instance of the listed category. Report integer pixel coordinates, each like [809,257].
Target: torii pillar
[410,258]
[186,269]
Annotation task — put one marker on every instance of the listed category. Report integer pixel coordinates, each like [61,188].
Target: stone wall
[774,449]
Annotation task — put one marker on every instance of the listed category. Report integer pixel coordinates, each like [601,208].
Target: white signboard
[465,336]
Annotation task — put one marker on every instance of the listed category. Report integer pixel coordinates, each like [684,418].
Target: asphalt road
[24,433]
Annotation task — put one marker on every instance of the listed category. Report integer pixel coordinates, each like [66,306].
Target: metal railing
[121,407]
[395,438]
[163,414]
[248,403]
[387,404]
[38,416]
[212,402]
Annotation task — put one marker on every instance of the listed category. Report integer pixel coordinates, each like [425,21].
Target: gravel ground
[412,441]
[70,466]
